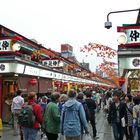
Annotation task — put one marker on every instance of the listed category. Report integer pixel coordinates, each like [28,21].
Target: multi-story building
[129,57]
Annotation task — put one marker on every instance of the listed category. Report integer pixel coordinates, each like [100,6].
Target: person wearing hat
[117,115]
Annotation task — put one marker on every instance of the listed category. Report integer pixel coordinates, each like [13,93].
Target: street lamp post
[108,24]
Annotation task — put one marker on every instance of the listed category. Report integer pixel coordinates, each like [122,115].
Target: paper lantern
[57,83]
[73,84]
[33,82]
[121,81]
[65,84]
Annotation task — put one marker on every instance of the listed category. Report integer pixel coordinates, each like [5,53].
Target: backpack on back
[26,117]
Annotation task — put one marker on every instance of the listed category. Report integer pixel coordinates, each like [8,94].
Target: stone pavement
[104,130]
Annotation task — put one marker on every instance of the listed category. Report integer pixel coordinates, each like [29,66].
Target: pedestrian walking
[73,118]
[62,100]
[51,119]
[117,112]
[43,103]
[30,132]
[136,116]
[91,107]
[129,117]
[80,98]
[16,107]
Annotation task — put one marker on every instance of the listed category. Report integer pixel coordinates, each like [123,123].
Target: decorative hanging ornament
[121,81]
[33,82]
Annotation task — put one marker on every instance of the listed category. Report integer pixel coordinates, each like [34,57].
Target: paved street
[103,129]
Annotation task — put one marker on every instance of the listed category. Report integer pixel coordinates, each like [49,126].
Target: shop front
[14,76]
[130,72]
[128,57]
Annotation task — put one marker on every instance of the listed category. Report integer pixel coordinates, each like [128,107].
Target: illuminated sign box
[129,63]
[131,34]
[11,67]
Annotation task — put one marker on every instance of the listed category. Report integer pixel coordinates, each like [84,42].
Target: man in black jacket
[91,108]
[117,112]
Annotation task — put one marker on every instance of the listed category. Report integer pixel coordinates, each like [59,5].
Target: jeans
[93,124]
[138,130]
[118,131]
[30,133]
[129,132]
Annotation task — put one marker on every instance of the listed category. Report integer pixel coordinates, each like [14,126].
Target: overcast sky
[76,22]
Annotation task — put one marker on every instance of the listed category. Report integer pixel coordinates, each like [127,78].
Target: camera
[108,25]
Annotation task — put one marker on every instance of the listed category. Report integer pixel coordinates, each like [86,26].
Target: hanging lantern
[57,83]
[121,81]
[73,84]
[65,84]
[33,82]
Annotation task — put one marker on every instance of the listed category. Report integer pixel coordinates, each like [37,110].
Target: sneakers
[95,137]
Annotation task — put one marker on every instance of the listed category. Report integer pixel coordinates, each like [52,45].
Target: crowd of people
[69,114]
[123,114]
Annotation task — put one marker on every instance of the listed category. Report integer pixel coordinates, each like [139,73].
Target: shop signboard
[5,45]
[129,63]
[46,74]
[57,75]
[11,67]
[52,63]
[131,35]
[18,68]
[31,71]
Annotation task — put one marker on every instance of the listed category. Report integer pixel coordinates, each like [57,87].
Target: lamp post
[108,24]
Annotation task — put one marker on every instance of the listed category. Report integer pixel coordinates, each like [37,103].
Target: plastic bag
[123,122]
[86,137]
[61,137]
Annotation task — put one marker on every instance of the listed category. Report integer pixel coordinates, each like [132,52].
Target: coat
[112,116]
[38,113]
[52,118]
[73,118]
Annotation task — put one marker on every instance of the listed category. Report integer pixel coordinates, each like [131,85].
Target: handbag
[86,137]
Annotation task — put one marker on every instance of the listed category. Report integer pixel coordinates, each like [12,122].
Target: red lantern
[73,84]
[57,83]
[65,84]
[33,82]
[121,81]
